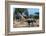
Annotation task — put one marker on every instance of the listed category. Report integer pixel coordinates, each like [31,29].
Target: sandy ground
[21,23]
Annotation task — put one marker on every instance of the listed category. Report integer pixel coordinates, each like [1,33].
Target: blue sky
[32,10]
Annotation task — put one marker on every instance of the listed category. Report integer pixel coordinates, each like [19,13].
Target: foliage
[36,16]
[19,10]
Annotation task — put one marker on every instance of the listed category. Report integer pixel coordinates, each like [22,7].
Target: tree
[18,12]
[31,16]
[36,16]
[37,13]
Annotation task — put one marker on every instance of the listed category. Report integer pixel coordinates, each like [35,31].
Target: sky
[32,10]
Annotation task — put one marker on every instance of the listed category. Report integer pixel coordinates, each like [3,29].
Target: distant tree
[31,16]
[36,16]
[37,13]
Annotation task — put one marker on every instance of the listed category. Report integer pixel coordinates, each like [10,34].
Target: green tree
[36,16]
[19,10]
